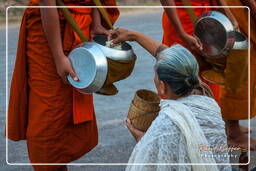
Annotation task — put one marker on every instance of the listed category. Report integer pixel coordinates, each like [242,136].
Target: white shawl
[182,116]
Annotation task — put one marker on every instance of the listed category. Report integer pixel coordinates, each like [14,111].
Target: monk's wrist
[59,55]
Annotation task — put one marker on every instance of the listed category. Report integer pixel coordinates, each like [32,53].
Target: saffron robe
[235,105]
[41,107]
[171,37]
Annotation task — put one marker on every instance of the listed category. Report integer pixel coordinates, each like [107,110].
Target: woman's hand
[193,42]
[64,68]
[137,134]
[120,35]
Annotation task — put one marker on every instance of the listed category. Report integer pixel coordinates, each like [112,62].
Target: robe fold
[41,107]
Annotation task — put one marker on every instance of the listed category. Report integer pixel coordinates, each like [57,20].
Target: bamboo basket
[144,109]
[146,100]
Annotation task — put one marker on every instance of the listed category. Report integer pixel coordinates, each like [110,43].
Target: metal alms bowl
[216,33]
[126,53]
[91,67]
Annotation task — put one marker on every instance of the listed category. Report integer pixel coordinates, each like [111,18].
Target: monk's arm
[173,16]
[229,14]
[51,27]
[252,5]
[97,27]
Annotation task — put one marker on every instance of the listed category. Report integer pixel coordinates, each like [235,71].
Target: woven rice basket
[147,100]
[144,109]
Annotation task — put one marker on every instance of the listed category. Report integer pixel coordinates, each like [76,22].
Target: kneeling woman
[189,128]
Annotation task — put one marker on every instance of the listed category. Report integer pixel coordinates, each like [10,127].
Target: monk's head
[176,72]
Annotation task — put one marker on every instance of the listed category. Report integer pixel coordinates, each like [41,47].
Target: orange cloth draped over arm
[41,107]
[235,105]
[171,37]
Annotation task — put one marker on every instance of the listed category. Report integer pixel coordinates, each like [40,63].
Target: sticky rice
[117,47]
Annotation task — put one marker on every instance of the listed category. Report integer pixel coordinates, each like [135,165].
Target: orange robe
[171,37]
[235,105]
[41,108]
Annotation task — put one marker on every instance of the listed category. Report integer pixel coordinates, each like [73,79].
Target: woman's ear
[162,90]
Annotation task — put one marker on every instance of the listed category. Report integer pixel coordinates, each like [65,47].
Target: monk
[57,122]
[178,28]
[235,105]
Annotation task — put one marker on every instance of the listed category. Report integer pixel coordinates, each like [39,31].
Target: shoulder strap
[71,21]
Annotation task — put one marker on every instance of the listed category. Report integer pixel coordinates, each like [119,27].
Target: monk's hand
[193,42]
[98,29]
[137,134]
[64,68]
[119,35]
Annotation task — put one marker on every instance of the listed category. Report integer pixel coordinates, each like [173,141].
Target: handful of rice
[117,47]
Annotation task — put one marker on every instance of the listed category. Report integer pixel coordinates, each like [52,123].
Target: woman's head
[176,72]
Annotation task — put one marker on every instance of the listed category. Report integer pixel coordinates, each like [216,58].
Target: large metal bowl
[126,52]
[216,33]
[91,67]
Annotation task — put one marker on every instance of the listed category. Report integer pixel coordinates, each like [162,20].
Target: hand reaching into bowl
[119,35]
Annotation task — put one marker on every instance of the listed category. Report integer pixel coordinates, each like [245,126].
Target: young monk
[188,125]
[178,28]
[235,105]
[42,105]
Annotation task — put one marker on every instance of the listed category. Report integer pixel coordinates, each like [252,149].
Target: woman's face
[159,86]
[163,90]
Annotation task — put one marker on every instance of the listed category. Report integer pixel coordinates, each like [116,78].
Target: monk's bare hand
[137,134]
[193,42]
[120,35]
[64,68]
[99,29]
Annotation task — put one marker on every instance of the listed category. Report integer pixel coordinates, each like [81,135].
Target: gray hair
[178,68]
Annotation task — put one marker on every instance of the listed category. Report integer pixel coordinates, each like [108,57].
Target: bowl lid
[84,65]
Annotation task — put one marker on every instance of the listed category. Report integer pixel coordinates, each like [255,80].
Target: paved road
[115,142]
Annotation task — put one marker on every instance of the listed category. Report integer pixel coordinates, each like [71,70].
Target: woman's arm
[174,18]
[51,26]
[120,35]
